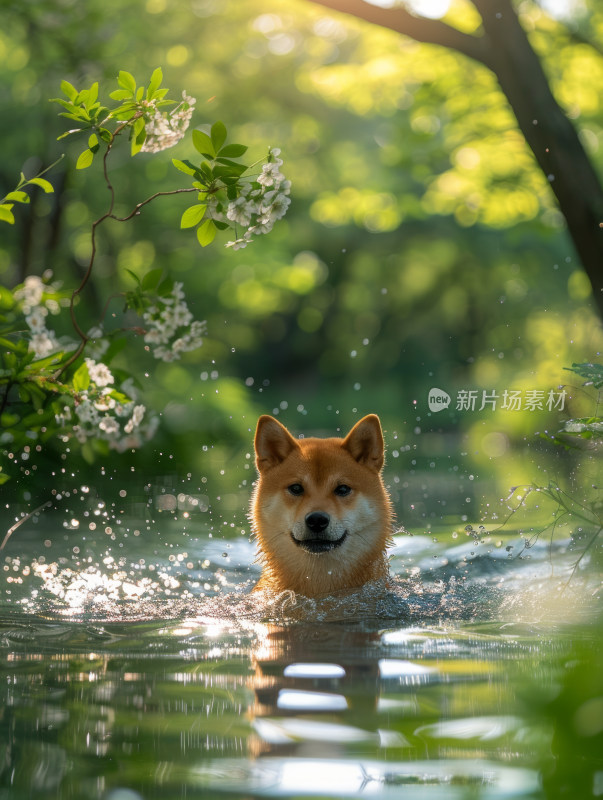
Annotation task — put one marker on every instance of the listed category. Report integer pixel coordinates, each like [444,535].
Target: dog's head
[320,511]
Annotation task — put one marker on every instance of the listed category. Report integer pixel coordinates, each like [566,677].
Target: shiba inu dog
[320,513]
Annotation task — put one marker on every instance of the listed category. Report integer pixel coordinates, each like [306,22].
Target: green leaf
[120,94]
[207,171]
[81,378]
[105,135]
[68,133]
[134,275]
[18,197]
[206,232]
[88,453]
[69,90]
[126,81]
[193,216]
[593,373]
[138,126]
[82,97]
[156,81]
[8,345]
[165,287]
[47,361]
[203,144]
[6,215]
[233,150]
[66,105]
[218,134]
[229,167]
[4,478]
[139,138]
[93,94]
[79,115]
[86,158]
[7,300]
[151,279]
[43,184]
[93,143]
[184,166]
[124,112]
[24,395]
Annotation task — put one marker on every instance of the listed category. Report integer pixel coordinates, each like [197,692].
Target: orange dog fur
[321,515]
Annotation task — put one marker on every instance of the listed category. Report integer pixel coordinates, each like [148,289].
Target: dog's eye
[342,490]
[295,489]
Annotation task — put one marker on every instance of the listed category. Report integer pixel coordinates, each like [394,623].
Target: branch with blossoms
[60,386]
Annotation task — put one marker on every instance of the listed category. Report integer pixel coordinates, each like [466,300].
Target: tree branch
[430,31]
[149,200]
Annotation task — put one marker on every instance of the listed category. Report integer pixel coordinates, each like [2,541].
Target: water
[134,664]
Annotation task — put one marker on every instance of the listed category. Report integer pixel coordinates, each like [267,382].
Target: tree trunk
[549,133]
[504,48]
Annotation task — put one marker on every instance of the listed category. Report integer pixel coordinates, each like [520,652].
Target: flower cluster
[36,299]
[170,326]
[259,204]
[165,129]
[101,412]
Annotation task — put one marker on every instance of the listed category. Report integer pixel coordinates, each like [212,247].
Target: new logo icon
[438,399]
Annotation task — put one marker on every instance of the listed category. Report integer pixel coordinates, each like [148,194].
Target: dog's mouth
[319,545]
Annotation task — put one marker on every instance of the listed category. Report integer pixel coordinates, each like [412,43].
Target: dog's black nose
[317,521]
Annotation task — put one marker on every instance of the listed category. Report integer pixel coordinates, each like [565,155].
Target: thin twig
[582,554]
[12,529]
[148,200]
[83,337]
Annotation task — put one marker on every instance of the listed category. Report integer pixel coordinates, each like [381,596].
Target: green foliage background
[422,248]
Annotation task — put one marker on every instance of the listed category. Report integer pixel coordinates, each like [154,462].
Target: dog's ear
[365,442]
[273,443]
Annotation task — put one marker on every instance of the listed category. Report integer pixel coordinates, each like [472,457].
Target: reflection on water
[139,667]
[196,708]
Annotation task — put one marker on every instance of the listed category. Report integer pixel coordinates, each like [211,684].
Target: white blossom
[165,129]
[30,294]
[85,410]
[238,244]
[171,329]
[240,211]
[105,402]
[63,417]
[136,418]
[100,374]
[43,344]
[164,354]
[109,425]
[181,316]
[37,319]
[257,209]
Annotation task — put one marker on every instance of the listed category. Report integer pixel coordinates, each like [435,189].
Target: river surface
[135,665]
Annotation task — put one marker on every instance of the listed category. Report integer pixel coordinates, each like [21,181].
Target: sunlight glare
[314,671]
[433,9]
[299,700]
